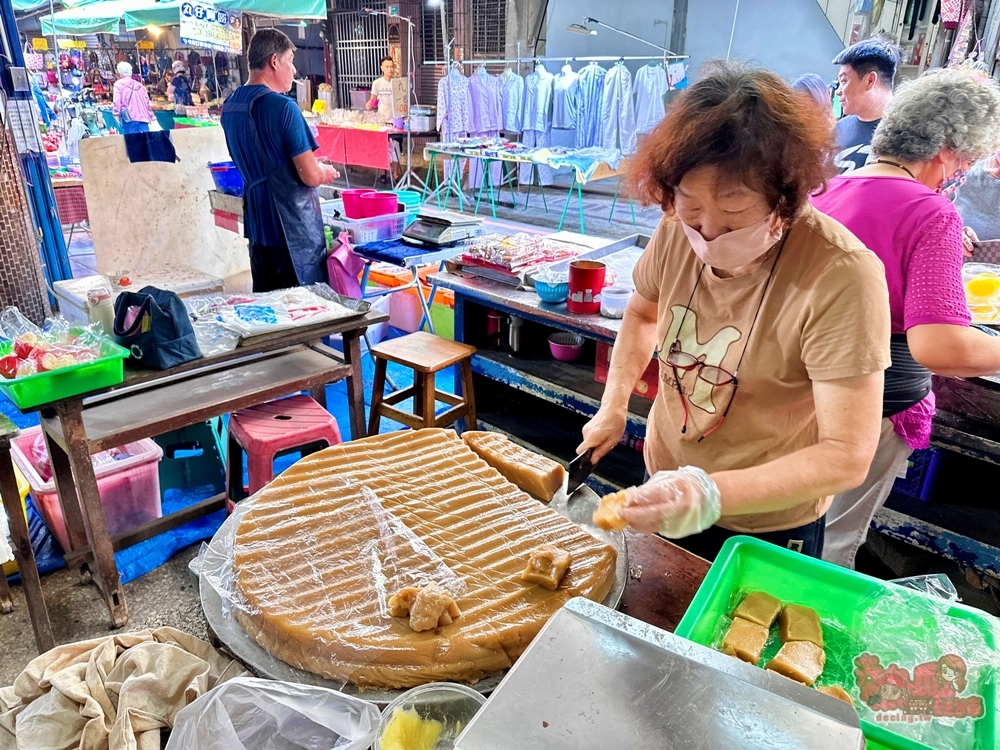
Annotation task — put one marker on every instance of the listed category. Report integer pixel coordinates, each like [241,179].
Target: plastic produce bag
[32,349]
[247,713]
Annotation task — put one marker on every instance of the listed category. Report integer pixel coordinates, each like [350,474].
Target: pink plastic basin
[352,202]
[379,204]
[566,347]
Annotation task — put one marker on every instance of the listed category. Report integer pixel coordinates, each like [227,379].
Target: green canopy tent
[26,6]
[104,16]
[169,13]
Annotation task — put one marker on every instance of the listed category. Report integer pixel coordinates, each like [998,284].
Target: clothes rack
[526,60]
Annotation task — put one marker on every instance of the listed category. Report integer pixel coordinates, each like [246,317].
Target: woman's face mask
[951,184]
[734,249]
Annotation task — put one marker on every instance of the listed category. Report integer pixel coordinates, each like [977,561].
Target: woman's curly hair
[751,125]
[942,109]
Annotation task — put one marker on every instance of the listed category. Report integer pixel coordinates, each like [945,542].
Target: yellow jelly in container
[429,717]
[982,291]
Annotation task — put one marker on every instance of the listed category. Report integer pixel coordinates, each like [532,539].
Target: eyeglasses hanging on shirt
[678,359]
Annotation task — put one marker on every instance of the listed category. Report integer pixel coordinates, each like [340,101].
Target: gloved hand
[674,503]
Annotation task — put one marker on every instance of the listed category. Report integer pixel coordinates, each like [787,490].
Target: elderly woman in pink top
[131,102]
[933,131]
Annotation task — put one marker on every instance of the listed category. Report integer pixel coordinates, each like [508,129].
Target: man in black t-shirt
[864,85]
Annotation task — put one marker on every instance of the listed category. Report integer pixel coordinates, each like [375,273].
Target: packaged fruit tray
[30,391]
[921,670]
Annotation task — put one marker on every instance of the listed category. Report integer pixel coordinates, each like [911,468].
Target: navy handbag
[160,336]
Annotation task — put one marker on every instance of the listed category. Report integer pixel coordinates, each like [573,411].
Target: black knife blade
[579,469]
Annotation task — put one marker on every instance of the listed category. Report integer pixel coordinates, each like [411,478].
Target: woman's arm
[116,99]
[634,347]
[955,350]
[849,415]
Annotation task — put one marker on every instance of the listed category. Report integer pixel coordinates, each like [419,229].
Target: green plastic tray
[46,387]
[840,596]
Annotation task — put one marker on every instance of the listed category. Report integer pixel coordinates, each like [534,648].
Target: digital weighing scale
[442,228]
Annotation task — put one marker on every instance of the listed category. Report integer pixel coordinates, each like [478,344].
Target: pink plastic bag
[344,267]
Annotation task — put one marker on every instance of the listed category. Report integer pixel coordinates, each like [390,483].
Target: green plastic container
[46,387]
[851,606]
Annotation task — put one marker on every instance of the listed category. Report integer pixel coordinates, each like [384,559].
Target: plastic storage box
[866,615]
[227,178]
[130,488]
[364,231]
[46,387]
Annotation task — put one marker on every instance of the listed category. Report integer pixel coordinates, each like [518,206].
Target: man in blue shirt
[864,85]
[272,147]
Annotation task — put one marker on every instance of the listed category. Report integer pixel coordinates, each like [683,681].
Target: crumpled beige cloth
[113,693]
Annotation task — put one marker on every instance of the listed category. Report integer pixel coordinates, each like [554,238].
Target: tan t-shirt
[824,317]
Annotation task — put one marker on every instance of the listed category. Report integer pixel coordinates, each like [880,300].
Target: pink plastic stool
[290,424]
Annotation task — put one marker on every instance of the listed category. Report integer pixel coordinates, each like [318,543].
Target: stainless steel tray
[595,678]
[579,508]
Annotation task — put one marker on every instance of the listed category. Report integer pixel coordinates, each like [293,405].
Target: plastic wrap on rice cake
[322,551]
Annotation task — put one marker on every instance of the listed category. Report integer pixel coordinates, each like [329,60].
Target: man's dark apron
[298,205]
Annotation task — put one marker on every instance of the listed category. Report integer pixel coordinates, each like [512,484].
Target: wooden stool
[23,553]
[426,355]
[295,424]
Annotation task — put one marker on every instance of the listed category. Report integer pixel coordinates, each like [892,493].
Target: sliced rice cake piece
[745,640]
[608,515]
[836,691]
[798,623]
[802,661]
[538,476]
[759,607]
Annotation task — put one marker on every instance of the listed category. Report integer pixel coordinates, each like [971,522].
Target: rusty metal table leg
[62,474]
[6,602]
[355,384]
[71,417]
[23,553]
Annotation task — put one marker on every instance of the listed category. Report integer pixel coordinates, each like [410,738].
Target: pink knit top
[917,234]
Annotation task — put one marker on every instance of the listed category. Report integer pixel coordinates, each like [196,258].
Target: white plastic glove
[674,503]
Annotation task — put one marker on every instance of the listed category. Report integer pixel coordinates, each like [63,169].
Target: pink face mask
[734,249]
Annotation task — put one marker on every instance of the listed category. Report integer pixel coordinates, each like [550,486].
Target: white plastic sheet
[247,713]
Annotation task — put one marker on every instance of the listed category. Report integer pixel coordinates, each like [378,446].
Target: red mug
[586,281]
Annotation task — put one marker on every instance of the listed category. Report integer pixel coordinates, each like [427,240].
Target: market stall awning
[104,16]
[25,6]
[95,18]
[169,13]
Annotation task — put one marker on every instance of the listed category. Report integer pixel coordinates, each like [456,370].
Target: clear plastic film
[56,345]
[307,567]
[926,668]
[221,321]
[518,252]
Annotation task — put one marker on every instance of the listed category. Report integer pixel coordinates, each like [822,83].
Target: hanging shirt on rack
[650,87]
[511,101]
[617,113]
[589,102]
[485,119]
[538,100]
[485,102]
[454,105]
[564,99]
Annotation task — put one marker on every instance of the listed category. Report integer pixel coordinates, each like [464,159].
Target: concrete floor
[167,596]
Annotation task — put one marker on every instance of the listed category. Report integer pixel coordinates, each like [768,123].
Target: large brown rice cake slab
[316,559]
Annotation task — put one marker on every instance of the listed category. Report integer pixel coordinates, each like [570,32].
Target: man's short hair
[877,54]
[385,60]
[265,43]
